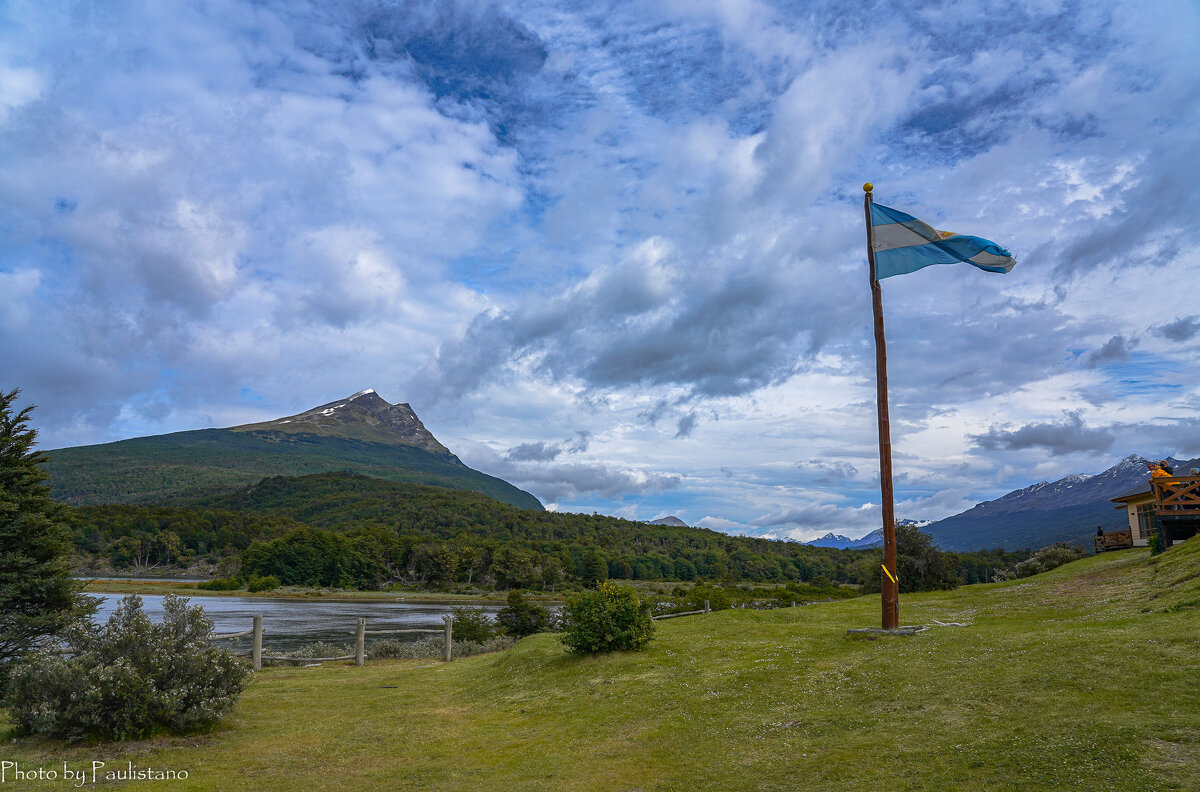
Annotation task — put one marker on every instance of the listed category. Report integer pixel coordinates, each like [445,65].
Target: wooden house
[1169,505]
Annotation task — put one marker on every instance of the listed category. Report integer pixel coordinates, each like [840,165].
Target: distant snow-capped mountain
[1067,510]
[873,539]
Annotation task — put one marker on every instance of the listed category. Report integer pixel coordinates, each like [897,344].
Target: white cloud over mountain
[614,256]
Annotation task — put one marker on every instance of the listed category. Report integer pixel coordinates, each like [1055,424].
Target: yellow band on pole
[889,574]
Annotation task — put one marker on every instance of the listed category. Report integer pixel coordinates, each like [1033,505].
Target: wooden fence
[706,609]
[1113,540]
[360,642]
[360,635]
[361,632]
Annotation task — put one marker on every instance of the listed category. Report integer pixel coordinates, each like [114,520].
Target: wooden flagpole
[890,587]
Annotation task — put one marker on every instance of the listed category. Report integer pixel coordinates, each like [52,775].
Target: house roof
[1136,492]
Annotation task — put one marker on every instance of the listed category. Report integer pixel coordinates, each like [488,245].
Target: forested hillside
[347,529]
[176,469]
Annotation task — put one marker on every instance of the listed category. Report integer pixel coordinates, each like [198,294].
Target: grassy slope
[175,469]
[1084,678]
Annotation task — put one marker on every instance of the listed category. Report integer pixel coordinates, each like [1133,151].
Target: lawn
[1082,678]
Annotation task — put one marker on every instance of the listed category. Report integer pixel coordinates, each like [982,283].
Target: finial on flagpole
[868,187]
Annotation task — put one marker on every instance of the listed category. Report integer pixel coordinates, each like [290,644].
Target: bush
[522,618]
[718,598]
[472,624]
[266,583]
[220,584]
[682,599]
[807,592]
[611,618]
[1043,560]
[129,678]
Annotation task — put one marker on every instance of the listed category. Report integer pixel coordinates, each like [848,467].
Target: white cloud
[644,226]
[18,87]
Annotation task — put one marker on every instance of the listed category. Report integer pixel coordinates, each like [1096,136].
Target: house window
[1145,519]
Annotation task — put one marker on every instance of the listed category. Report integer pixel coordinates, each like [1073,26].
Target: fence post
[706,608]
[256,648]
[360,639]
[448,650]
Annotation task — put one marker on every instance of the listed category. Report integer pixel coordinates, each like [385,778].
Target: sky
[614,252]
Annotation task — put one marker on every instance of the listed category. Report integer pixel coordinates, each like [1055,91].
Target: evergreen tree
[38,597]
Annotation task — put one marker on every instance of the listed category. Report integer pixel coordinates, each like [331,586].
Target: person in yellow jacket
[1161,469]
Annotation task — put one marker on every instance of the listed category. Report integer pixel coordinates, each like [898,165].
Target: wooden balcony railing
[1114,540]
[1176,496]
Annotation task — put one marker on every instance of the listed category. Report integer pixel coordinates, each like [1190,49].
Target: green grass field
[1083,678]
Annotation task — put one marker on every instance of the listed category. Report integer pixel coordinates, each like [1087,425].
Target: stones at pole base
[908,629]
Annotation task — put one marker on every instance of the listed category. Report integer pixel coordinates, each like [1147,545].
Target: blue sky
[614,252]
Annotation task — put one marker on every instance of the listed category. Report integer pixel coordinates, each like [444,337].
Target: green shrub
[472,624]
[611,618]
[807,592]
[717,596]
[129,678]
[522,618]
[220,584]
[266,583]
[1043,560]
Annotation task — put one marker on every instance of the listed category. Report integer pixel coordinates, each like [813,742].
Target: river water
[289,624]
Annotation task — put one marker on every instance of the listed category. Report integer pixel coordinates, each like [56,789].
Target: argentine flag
[902,243]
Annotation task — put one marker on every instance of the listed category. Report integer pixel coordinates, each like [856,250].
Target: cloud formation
[1114,350]
[535,222]
[1182,329]
[1067,436]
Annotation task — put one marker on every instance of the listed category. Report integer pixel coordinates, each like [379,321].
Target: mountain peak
[1065,510]
[831,539]
[1131,462]
[364,415]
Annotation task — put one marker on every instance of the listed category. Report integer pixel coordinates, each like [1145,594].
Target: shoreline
[101,585]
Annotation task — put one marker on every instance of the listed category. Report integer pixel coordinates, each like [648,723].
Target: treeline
[147,536]
[351,531]
[922,566]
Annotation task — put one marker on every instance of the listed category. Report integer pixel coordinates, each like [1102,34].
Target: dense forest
[352,531]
